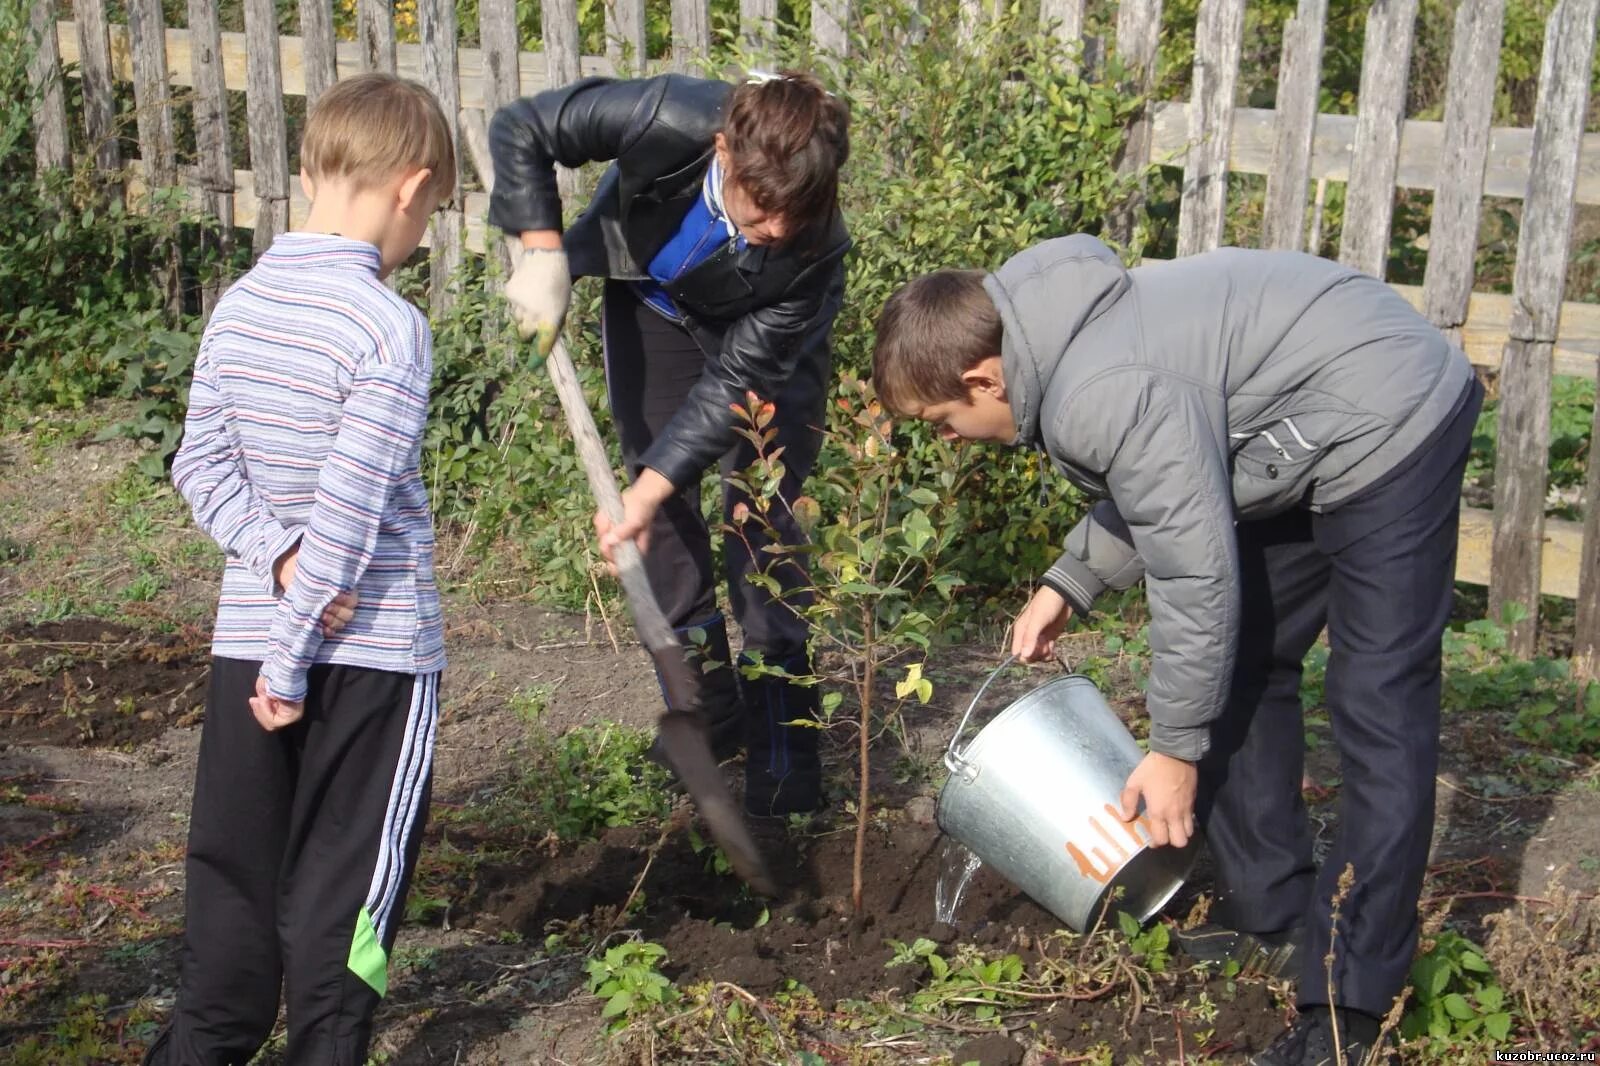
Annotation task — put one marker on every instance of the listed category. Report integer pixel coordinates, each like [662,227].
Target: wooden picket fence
[1524,337]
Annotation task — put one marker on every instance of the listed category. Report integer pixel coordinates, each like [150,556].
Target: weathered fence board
[1421,149]
[758,26]
[1138,41]
[1586,639]
[1542,247]
[1202,211]
[830,27]
[50,148]
[151,96]
[88,44]
[1283,223]
[1458,203]
[213,147]
[269,136]
[560,23]
[319,49]
[375,32]
[1561,552]
[627,37]
[502,75]
[1064,18]
[534,75]
[436,25]
[1369,201]
[691,33]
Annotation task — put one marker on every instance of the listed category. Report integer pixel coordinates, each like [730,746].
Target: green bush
[962,155]
[76,303]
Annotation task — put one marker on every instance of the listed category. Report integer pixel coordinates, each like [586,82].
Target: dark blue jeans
[1378,571]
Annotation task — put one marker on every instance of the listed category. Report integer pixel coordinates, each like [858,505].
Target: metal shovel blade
[687,748]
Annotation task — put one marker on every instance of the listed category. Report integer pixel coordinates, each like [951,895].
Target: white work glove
[539,290]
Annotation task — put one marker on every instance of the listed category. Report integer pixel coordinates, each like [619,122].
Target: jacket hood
[1046,296]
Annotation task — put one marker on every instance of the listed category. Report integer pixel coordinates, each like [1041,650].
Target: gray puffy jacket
[1195,393]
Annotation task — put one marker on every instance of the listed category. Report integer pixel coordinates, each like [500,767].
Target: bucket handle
[953,759]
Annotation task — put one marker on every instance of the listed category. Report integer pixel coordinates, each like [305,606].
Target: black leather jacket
[757,313]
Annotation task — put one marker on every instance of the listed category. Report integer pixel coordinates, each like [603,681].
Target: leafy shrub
[1455,995]
[77,307]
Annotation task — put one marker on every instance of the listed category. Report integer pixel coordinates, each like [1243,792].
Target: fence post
[318,50]
[147,39]
[375,30]
[974,13]
[1542,250]
[1283,223]
[830,28]
[502,49]
[502,84]
[758,26]
[214,152]
[560,23]
[1138,40]
[627,36]
[1586,642]
[44,74]
[1458,197]
[1064,18]
[269,152]
[1219,39]
[691,33]
[94,64]
[1369,198]
[441,72]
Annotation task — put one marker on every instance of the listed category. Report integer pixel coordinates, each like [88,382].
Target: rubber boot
[783,774]
[718,705]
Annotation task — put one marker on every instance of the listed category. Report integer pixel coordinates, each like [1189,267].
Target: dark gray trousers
[1378,571]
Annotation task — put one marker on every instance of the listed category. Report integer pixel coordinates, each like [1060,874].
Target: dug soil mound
[715,930]
[86,682]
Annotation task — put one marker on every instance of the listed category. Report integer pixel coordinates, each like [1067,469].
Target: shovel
[682,739]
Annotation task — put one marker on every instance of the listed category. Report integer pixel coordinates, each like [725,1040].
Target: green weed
[628,977]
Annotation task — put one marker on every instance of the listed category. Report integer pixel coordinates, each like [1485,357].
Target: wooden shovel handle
[654,632]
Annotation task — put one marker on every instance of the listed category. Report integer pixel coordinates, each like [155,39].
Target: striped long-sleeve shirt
[305,426]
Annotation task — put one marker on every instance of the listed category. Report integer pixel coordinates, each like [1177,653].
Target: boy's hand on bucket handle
[1168,787]
[1034,633]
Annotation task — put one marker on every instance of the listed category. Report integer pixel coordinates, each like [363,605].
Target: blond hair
[371,127]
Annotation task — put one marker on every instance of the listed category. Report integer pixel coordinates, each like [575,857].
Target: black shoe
[783,774]
[1309,1041]
[1258,954]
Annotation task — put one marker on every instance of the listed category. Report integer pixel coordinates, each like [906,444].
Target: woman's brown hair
[787,138]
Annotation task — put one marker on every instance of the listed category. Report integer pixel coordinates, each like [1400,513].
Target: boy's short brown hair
[370,127]
[929,333]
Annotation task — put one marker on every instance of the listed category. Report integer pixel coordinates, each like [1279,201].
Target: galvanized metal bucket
[1036,795]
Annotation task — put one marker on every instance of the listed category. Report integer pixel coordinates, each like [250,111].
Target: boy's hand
[1168,787]
[272,713]
[539,291]
[337,614]
[1033,635]
[640,502]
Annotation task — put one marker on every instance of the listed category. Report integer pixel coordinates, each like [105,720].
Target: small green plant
[1455,994]
[1148,945]
[969,979]
[628,977]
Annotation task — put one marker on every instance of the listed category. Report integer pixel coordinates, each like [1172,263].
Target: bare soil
[99,728]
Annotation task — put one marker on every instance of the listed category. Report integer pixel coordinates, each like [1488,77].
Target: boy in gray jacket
[1277,444]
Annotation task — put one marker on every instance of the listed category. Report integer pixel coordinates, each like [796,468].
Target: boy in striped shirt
[300,457]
